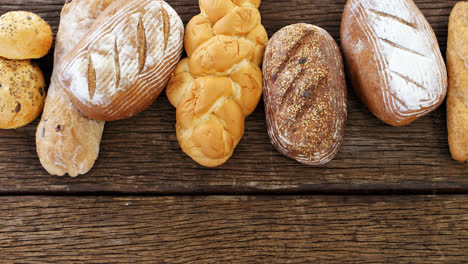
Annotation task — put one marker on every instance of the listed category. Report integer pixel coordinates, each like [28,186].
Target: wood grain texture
[142,154]
[242,229]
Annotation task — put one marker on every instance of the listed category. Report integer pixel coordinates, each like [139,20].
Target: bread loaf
[393,59]
[305,94]
[457,98]
[67,141]
[24,35]
[22,92]
[220,83]
[125,60]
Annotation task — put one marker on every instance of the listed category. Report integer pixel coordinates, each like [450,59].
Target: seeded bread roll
[457,98]
[125,60]
[393,59]
[24,35]
[305,94]
[22,92]
[220,84]
[67,141]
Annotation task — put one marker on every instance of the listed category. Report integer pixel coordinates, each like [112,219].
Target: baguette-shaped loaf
[125,60]
[457,98]
[220,83]
[393,59]
[305,94]
[67,141]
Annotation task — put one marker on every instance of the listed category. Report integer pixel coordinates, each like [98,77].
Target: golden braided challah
[220,83]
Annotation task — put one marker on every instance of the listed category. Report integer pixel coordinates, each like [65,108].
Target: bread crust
[305,94]
[457,97]
[24,35]
[393,59]
[22,92]
[220,83]
[66,141]
[125,60]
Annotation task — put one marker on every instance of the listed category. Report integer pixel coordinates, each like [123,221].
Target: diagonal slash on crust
[398,19]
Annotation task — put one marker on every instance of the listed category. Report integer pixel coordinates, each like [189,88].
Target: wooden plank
[142,154]
[241,229]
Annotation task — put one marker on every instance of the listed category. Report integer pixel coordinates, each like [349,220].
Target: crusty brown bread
[67,141]
[24,35]
[305,94]
[393,59]
[457,98]
[220,83]
[125,60]
[22,92]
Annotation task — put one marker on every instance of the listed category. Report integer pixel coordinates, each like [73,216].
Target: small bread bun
[24,35]
[22,93]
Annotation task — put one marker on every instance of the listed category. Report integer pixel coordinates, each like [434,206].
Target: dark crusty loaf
[393,59]
[305,94]
[125,60]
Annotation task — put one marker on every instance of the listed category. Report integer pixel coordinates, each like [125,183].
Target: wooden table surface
[392,195]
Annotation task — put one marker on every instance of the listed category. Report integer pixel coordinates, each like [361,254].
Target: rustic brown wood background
[136,206]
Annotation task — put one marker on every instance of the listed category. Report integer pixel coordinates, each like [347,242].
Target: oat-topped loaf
[125,60]
[220,83]
[305,94]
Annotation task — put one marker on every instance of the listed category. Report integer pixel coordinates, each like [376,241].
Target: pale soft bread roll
[125,60]
[66,141]
[22,92]
[393,59]
[220,84]
[457,98]
[24,35]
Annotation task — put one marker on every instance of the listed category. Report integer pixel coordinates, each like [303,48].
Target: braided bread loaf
[220,83]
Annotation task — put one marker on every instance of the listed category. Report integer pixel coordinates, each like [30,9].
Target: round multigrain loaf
[22,93]
[305,94]
[24,35]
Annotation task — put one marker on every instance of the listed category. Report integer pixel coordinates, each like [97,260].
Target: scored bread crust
[393,59]
[220,83]
[305,94]
[125,60]
[67,141]
[457,97]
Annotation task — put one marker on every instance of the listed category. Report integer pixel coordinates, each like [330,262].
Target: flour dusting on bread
[132,49]
[405,70]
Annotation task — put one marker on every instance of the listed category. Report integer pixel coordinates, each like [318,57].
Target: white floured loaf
[125,60]
[393,59]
